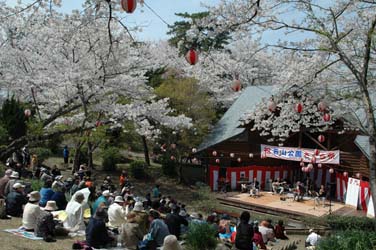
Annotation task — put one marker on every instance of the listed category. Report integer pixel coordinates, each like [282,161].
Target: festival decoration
[129,6]
[321,138]
[232,155]
[316,152]
[345,174]
[237,85]
[322,106]
[192,56]
[272,106]
[326,117]
[98,124]
[239,159]
[299,108]
[214,153]
[263,155]
[358,175]
[250,155]
[313,159]
[173,146]
[217,161]
[310,166]
[302,164]
[319,165]
[303,169]
[172,158]
[331,170]
[27,113]
[194,150]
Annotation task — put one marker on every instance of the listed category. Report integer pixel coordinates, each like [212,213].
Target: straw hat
[18,185]
[8,172]
[15,175]
[58,178]
[50,206]
[119,199]
[138,206]
[34,196]
[106,193]
[171,243]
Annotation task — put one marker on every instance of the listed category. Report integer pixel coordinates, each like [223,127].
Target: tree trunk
[90,156]
[180,172]
[372,170]
[146,150]
[76,161]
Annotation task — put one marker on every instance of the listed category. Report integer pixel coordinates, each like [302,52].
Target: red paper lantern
[321,138]
[272,106]
[302,164]
[239,159]
[232,155]
[299,107]
[129,6]
[345,174]
[250,155]
[217,161]
[172,158]
[316,152]
[319,165]
[237,85]
[27,113]
[358,175]
[326,117]
[192,57]
[173,146]
[194,150]
[331,170]
[322,106]
[214,153]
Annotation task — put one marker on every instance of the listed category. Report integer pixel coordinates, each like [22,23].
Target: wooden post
[329,141]
[300,138]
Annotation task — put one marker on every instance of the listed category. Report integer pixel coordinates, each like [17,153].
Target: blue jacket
[65,153]
[96,204]
[45,195]
[61,201]
[96,233]
[158,231]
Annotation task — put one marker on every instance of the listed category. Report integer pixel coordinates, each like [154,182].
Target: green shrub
[42,153]
[110,157]
[137,169]
[201,237]
[168,167]
[36,185]
[351,239]
[340,223]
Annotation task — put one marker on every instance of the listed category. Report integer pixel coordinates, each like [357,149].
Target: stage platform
[272,204]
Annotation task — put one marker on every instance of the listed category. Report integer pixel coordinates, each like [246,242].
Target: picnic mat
[23,233]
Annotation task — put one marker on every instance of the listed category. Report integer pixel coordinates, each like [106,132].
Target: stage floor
[269,201]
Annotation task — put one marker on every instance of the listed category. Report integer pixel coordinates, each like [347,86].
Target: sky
[153,28]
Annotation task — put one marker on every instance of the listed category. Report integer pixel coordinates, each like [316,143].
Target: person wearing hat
[174,221]
[45,225]
[4,181]
[102,201]
[141,216]
[313,239]
[171,243]
[158,229]
[59,198]
[13,178]
[31,211]
[15,200]
[130,232]
[97,235]
[116,213]
[58,183]
[75,213]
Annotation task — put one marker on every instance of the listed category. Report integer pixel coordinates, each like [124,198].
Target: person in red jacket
[257,237]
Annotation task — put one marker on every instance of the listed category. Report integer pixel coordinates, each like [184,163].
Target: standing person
[31,211]
[13,178]
[75,213]
[158,230]
[4,181]
[97,235]
[15,200]
[313,239]
[25,156]
[156,191]
[123,179]
[46,193]
[244,233]
[174,222]
[131,233]
[141,216]
[116,213]
[66,154]
[102,201]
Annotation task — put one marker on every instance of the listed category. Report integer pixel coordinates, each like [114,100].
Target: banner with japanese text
[299,154]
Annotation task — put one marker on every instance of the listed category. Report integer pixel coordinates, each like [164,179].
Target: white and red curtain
[341,186]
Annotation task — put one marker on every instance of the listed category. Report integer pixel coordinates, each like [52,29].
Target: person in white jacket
[116,213]
[75,213]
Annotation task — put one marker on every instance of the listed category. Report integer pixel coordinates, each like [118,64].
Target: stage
[272,204]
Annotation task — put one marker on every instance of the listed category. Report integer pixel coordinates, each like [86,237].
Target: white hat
[59,177]
[138,206]
[106,193]
[51,206]
[171,243]
[34,196]
[183,213]
[8,172]
[18,185]
[15,175]
[195,216]
[119,199]
[311,230]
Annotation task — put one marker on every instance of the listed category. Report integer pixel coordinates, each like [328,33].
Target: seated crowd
[118,216]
